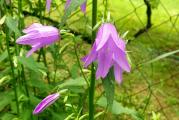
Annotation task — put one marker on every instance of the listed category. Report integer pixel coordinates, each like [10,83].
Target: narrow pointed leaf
[162,56]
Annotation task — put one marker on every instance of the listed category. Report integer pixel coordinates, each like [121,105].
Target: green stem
[14,80]
[20,26]
[42,50]
[106,9]
[45,63]
[77,57]
[92,82]
[12,69]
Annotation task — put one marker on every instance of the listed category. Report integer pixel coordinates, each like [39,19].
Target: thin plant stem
[76,54]
[92,82]
[106,9]
[14,80]
[20,25]
[12,70]
[42,52]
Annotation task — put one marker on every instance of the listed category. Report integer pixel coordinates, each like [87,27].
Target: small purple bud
[38,36]
[46,102]
[48,4]
[83,6]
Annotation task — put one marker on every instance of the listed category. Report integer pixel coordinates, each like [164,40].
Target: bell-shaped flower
[50,99]
[83,6]
[109,51]
[38,36]
[48,4]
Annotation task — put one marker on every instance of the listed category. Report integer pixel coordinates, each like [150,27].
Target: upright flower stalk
[14,80]
[92,82]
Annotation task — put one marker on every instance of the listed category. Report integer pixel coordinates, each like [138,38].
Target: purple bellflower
[109,51]
[48,4]
[46,102]
[38,36]
[83,6]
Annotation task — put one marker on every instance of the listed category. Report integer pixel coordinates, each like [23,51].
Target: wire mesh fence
[159,29]
[153,30]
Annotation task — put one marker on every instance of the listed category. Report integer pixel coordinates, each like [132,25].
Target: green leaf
[7,116]
[4,80]
[12,25]
[108,84]
[3,56]
[5,99]
[73,82]
[72,7]
[118,109]
[58,116]
[37,82]
[2,20]
[31,64]
[74,71]
[162,56]
[64,47]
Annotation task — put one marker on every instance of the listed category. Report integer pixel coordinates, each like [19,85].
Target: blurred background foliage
[149,92]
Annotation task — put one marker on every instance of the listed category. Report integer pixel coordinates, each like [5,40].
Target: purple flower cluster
[108,50]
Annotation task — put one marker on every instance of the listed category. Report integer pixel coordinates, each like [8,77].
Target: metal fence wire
[161,34]
[153,27]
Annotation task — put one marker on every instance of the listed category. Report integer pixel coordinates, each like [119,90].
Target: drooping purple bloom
[109,51]
[83,6]
[48,4]
[38,36]
[46,102]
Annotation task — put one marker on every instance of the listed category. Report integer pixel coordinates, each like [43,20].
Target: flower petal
[104,62]
[32,27]
[29,39]
[102,36]
[34,48]
[120,58]
[91,57]
[117,73]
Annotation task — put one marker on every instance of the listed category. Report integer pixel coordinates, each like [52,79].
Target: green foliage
[31,64]
[162,56]
[30,74]
[3,56]
[6,98]
[12,24]
[118,108]
[156,116]
[73,82]
[2,20]
[108,84]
